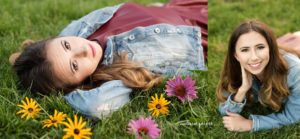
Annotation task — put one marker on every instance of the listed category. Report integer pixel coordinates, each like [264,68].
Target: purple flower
[144,127]
[185,90]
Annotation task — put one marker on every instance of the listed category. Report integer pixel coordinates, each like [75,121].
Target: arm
[236,102]
[231,106]
[289,115]
[100,101]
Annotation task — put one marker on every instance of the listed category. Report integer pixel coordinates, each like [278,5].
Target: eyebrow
[70,62]
[244,47]
[62,44]
[260,44]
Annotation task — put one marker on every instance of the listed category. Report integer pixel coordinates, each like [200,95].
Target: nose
[80,52]
[254,55]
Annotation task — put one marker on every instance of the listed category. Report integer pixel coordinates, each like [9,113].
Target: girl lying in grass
[255,71]
[98,59]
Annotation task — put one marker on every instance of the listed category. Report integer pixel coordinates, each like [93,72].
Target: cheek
[242,58]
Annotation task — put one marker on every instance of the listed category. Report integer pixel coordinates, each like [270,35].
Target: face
[73,58]
[252,51]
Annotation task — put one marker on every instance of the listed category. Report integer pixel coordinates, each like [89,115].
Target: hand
[290,42]
[246,80]
[246,85]
[236,122]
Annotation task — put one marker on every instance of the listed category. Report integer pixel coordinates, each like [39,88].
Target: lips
[255,65]
[93,49]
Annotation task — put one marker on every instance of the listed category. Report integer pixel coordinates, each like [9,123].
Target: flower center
[158,106]
[53,121]
[76,131]
[30,110]
[143,131]
[180,91]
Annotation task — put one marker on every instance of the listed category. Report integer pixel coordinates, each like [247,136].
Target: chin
[255,72]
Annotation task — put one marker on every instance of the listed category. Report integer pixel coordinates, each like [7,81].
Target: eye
[261,47]
[67,45]
[244,50]
[75,65]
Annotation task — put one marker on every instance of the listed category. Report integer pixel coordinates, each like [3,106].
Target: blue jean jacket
[162,48]
[291,109]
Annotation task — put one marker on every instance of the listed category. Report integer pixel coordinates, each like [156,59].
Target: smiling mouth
[93,49]
[255,65]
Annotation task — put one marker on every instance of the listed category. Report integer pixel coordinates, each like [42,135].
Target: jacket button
[199,35]
[157,30]
[178,30]
[131,37]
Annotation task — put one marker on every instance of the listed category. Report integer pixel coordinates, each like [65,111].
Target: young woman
[255,71]
[114,50]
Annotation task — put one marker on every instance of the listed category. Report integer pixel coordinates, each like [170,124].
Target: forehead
[251,39]
[60,60]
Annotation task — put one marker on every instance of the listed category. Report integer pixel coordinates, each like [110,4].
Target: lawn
[32,19]
[224,16]
[36,20]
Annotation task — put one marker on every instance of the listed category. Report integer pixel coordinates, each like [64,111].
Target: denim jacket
[161,48]
[291,109]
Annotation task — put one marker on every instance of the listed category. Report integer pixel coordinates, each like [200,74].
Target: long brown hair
[274,83]
[36,72]
[131,73]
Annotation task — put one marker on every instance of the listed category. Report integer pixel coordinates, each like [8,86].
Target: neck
[259,77]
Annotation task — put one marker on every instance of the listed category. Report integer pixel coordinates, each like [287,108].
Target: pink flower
[144,127]
[185,90]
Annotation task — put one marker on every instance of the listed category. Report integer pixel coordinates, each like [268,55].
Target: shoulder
[89,23]
[293,62]
[293,68]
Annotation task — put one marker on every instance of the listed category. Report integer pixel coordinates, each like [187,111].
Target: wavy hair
[274,83]
[35,71]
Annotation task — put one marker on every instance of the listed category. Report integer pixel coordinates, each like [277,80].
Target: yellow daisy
[30,109]
[55,119]
[76,129]
[158,105]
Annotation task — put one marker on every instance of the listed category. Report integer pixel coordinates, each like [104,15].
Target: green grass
[224,16]
[35,19]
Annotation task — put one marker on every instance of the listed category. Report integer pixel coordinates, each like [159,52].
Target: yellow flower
[76,129]
[55,119]
[30,109]
[158,105]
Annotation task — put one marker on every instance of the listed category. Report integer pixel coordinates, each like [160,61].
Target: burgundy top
[130,15]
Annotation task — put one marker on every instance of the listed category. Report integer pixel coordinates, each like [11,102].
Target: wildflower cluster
[75,129]
[183,89]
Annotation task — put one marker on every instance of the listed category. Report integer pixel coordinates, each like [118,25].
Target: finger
[243,72]
[227,126]
[230,128]
[232,114]
[225,122]
[226,118]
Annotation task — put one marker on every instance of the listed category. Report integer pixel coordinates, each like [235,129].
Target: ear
[236,57]
[13,57]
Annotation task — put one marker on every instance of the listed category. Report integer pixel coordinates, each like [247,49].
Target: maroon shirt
[130,15]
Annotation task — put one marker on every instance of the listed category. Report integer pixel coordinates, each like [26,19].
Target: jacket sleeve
[290,113]
[101,101]
[89,23]
[230,105]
